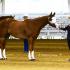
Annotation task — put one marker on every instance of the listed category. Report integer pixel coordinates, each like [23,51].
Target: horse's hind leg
[1,57]
[1,46]
[4,51]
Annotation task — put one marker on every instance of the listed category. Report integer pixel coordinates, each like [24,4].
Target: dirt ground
[49,57]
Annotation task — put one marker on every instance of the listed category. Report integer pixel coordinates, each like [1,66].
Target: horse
[28,29]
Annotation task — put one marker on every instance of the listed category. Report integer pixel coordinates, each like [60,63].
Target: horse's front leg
[31,54]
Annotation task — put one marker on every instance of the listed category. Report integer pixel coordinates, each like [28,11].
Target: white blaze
[54,21]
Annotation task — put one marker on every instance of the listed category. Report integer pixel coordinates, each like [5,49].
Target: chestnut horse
[28,29]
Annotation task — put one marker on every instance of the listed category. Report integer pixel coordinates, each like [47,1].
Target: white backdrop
[35,6]
[38,7]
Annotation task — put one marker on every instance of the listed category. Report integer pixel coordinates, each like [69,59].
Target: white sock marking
[1,54]
[29,55]
[32,55]
[4,53]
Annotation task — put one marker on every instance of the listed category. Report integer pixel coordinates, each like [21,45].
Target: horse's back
[16,28]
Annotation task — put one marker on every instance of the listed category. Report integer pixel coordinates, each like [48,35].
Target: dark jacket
[67,28]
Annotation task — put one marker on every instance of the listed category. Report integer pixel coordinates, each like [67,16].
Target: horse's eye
[50,19]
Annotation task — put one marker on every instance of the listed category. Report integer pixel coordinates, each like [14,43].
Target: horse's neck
[38,24]
[42,21]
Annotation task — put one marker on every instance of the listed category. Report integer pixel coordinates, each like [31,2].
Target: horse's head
[52,20]
[51,16]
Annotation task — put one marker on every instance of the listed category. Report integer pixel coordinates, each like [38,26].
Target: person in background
[67,28]
[25,40]
[25,17]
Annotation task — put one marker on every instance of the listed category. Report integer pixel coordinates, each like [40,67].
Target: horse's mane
[39,18]
[3,17]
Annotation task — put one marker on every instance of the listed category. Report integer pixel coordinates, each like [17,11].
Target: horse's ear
[50,14]
[53,14]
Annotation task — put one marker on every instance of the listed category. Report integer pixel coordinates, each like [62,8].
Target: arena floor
[50,55]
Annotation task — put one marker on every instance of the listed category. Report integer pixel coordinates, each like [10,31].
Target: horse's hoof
[1,58]
[4,58]
[32,59]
